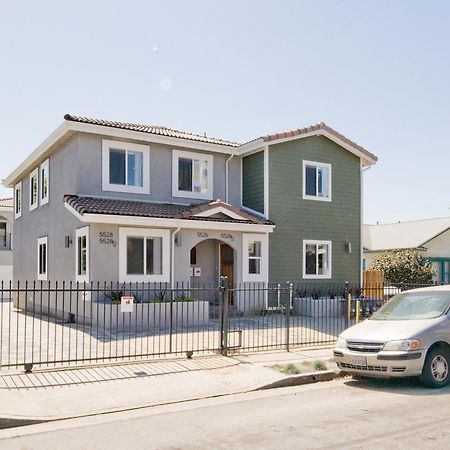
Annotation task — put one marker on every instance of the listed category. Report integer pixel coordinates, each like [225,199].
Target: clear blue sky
[377,71]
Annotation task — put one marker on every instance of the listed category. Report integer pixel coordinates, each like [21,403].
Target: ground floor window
[144,255]
[82,254]
[3,240]
[42,258]
[316,259]
[255,261]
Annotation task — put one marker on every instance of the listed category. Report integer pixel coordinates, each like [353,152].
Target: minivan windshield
[414,305]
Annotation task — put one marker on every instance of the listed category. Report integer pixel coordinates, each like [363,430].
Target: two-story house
[111,201]
[6,254]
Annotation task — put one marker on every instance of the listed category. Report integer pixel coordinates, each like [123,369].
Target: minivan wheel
[436,369]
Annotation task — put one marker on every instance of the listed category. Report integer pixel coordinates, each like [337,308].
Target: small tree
[404,267]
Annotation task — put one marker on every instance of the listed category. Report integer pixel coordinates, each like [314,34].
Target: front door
[227,265]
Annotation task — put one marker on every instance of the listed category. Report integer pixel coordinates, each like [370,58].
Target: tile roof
[112,206]
[151,129]
[6,202]
[399,235]
[316,127]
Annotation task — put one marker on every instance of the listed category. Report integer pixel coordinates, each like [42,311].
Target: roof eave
[68,126]
[51,140]
[168,222]
[366,158]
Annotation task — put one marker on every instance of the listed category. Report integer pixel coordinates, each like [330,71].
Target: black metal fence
[47,324]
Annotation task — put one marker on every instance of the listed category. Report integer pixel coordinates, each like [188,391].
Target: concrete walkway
[80,391]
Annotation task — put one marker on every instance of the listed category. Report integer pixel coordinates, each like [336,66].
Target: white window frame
[325,276]
[176,155]
[42,241]
[33,174]
[264,274]
[124,233]
[80,232]
[18,189]
[317,165]
[126,146]
[44,174]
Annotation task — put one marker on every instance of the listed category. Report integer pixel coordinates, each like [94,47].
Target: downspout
[172,258]
[226,177]
[361,249]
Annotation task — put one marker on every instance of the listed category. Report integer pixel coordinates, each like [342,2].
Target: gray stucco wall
[297,219]
[89,180]
[51,220]
[76,168]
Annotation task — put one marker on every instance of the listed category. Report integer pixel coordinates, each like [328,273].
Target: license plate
[359,361]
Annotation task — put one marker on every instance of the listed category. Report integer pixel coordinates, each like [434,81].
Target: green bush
[319,365]
[404,267]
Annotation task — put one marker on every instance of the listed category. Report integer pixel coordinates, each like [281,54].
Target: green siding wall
[296,219]
[253,181]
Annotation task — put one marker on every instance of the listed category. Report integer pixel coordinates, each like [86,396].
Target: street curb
[308,378]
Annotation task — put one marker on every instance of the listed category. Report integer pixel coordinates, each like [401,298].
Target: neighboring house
[110,201]
[6,255]
[429,236]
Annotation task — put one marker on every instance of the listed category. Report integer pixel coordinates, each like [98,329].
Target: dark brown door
[227,265]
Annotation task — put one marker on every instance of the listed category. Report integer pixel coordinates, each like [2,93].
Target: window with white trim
[82,254]
[3,235]
[18,200]
[316,259]
[125,167]
[192,175]
[144,255]
[255,257]
[44,182]
[42,258]
[34,188]
[316,181]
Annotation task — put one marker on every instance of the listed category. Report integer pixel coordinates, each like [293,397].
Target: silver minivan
[407,336]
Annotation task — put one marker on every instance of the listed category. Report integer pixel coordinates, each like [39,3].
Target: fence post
[288,313]
[224,293]
[348,304]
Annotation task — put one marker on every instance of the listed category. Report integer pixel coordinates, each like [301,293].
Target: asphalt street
[347,413]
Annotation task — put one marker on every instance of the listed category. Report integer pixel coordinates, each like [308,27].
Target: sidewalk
[79,391]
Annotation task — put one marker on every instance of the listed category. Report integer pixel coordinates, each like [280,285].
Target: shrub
[160,297]
[319,365]
[404,267]
[114,296]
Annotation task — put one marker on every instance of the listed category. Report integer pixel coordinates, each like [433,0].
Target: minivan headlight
[341,343]
[402,346]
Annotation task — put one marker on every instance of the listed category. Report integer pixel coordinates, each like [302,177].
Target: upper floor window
[316,181]
[44,182]
[18,200]
[316,259]
[125,167]
[192,175]
[34,187]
